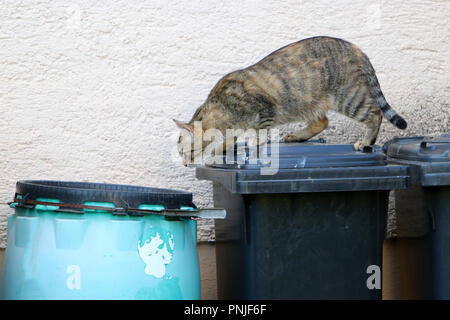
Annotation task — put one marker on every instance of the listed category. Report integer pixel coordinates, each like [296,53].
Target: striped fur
[300,82]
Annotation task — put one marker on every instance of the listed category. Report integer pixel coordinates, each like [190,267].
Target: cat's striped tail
[380,100]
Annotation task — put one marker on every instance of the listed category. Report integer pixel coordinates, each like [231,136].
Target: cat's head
[190,143]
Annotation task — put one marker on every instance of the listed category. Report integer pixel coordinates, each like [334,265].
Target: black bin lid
[431,154]
[308,167]
[423,149]
[123,196]
[313,154]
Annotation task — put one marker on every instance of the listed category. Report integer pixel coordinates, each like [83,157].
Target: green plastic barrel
[75,240]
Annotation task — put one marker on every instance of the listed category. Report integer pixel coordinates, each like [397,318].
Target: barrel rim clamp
[202,213]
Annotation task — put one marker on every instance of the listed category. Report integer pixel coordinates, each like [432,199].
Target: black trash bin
[312,230]
[424,208]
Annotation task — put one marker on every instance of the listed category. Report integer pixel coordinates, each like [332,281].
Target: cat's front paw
[359,145]
[290,138]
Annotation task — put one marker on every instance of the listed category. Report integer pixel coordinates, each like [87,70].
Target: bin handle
[426,140]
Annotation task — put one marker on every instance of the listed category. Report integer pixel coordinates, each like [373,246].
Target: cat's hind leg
[373,123]
[313,128]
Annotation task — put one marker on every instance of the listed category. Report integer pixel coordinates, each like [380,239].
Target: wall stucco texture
[88,89]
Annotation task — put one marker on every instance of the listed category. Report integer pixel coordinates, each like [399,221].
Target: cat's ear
[185,126]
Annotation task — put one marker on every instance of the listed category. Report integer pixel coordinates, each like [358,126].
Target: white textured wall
[88,88]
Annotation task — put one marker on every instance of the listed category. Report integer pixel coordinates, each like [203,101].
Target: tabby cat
[299,82]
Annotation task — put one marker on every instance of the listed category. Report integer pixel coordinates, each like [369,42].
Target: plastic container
[74,240]
[423,210]
[312,230]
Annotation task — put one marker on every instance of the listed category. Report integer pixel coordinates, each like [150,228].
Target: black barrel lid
[123,196]
[425,149]
[428,158]
[311,154]
[307,167]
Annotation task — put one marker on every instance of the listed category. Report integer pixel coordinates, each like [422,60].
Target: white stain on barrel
[154,256]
